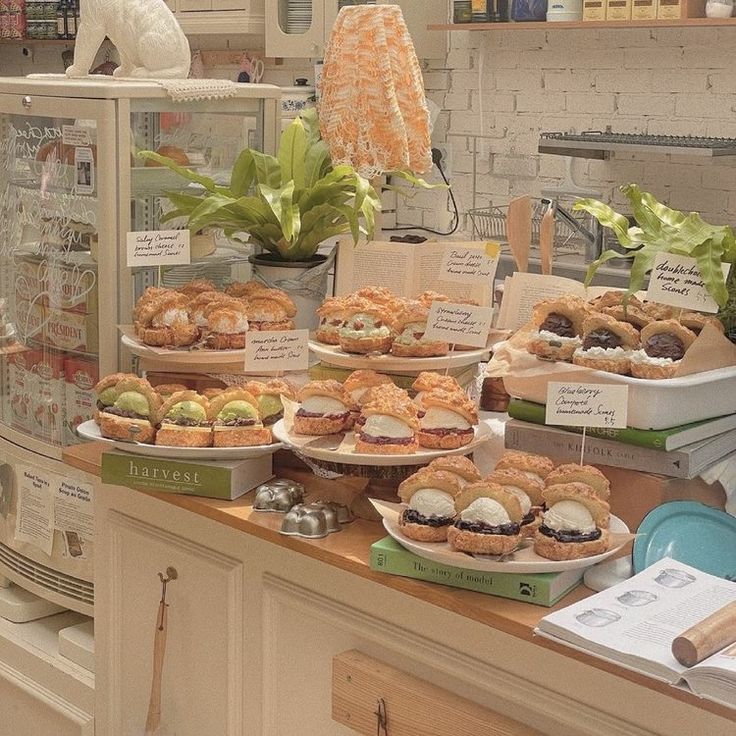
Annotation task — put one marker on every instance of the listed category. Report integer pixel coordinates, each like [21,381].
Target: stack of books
[679,452]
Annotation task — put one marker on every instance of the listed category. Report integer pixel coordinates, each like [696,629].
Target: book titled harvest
[223,479]
[543,589]
[634,623]
[687,462]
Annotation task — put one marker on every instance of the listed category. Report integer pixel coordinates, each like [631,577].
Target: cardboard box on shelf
[644,9]
[30,320]
[594,10]
[72,330]
[670,9]
[634,494]
[80,377]
[48,397]
[21,382]
[618,9]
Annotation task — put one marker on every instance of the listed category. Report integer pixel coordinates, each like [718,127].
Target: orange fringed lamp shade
[373,112]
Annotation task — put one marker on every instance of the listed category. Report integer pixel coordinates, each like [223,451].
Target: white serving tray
[660,404]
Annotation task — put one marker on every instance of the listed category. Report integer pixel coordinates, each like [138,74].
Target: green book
[542,589]
[655,439]
[221,479]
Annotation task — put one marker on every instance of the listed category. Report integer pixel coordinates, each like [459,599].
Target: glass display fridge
[71,188]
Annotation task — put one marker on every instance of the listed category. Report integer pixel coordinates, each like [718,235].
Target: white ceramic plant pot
[202,244]
[304,281]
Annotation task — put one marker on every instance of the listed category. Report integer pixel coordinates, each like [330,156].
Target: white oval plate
[90,431]
[346,453]
[333,355]
[183,355]
[527,562]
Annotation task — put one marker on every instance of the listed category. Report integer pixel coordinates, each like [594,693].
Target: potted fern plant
[660,229]
[286,205]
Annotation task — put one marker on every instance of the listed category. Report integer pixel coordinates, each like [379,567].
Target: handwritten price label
[676,281]
[277,351]
[587,405]
[470,265]
[459,324]
[158,248]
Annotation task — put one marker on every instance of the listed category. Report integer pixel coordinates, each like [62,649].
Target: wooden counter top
[350,551]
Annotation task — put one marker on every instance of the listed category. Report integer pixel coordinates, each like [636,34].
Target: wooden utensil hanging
[546,241]
[519,230]
[153,720]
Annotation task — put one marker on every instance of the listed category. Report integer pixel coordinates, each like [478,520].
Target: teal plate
[689,532]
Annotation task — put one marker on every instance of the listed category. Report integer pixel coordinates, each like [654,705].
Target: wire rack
[489,223]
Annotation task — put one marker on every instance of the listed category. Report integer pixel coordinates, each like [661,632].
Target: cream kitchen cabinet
[219,16]
[254,626]
[310,42]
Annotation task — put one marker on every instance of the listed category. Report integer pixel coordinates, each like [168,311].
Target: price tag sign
[459,324]
[84,171]
[74,135]
[587,405]
[158,248]
[470,265]
[276,351]
[676,280]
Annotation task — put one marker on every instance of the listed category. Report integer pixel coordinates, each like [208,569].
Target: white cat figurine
[146,34]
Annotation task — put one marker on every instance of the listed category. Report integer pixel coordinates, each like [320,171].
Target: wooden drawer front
[413,707]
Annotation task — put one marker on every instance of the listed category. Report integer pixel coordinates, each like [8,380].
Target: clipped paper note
[459,324]
[676,280]
[587,405]
[276,351]
[158,248]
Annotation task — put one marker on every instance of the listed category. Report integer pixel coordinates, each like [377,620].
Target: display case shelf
[589,25]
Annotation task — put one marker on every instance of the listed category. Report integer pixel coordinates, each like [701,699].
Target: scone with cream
[537,467]
[528,491]
[245,289]
[607,344]
[183,421]
[227,324]
[559,327]
[359,383]
[268,397]
[325,408]
[202,303]
[663,346]
[126,408]
[587,474]
[430,499]
[270,310]
[489,520]
[448,421]
[388,426]
[575,524]
[236,420]
[332,315]
[164,390]
[410,340]
[429,380]
[461,467]
[696,322]
[166,322]
[195,287]
[367,329]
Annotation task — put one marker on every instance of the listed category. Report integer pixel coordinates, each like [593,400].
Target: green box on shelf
[226,480]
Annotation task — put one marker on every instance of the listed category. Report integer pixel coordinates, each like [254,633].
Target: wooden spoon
[519,230]
[546,241]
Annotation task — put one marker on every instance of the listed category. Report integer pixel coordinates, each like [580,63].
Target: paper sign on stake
[676,280]
[287,350]
[158,248]
[459,324]
[470,265]
[587,405]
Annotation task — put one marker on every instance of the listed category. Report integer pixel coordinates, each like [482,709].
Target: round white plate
[443,553]
[309,446]
[90,431]
[190,357]
[333,355]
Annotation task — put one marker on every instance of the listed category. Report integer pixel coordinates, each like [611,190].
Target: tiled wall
[668,81]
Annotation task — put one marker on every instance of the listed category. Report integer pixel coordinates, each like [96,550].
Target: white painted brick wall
[666,81]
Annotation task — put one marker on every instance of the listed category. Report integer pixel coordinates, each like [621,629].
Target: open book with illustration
[634,623]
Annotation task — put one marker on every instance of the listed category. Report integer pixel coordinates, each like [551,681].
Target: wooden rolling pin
[706,637]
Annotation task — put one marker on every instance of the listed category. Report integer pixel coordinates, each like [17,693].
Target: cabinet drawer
[186,6]
[366,691]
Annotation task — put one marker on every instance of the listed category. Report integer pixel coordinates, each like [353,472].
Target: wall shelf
[591,25]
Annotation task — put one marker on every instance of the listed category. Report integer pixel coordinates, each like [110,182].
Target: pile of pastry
[199,314]
[641,339]
[375,320]
[130,409]
[386,420]
[563,510]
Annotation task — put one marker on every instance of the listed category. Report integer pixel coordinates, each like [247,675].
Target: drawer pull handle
[381,718]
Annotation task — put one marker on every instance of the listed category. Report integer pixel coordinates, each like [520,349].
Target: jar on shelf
[719,9]
[462,11]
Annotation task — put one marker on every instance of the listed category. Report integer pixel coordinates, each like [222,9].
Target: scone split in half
[430,499]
